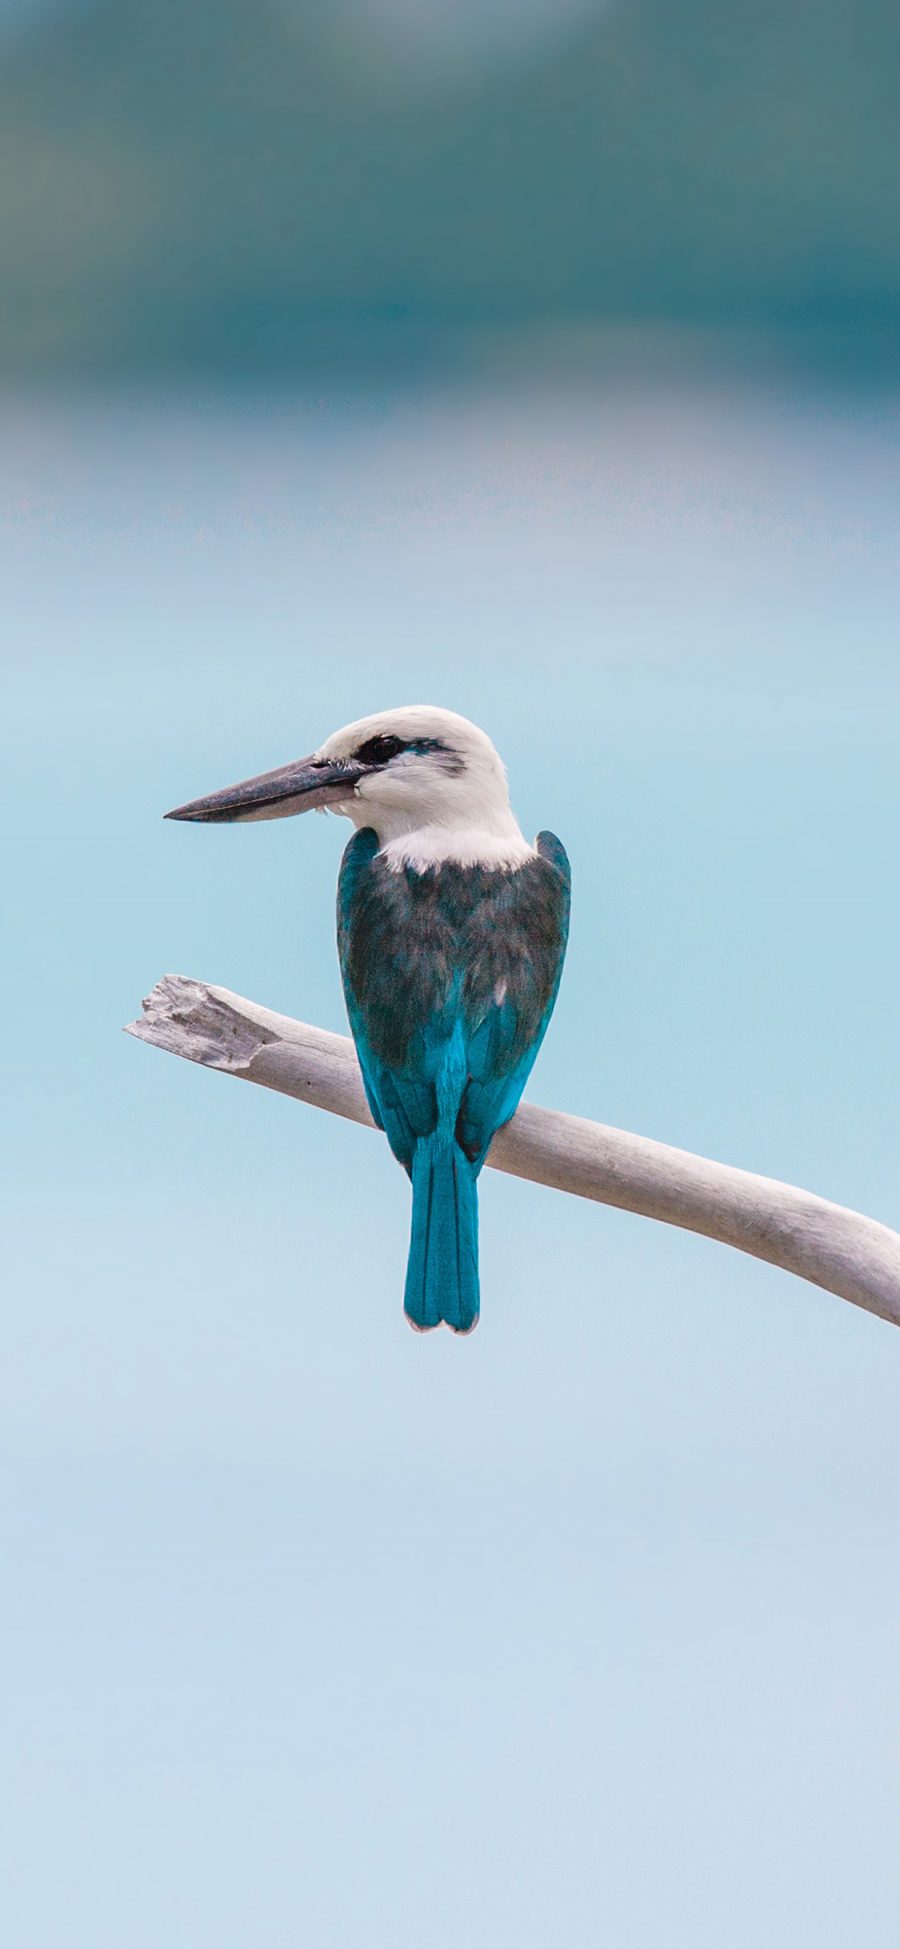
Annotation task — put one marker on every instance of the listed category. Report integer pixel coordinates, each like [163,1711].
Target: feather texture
[450,975]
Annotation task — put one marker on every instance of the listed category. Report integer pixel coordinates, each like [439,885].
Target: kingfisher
[452,931]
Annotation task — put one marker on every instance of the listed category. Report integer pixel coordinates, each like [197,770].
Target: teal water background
[582,1631]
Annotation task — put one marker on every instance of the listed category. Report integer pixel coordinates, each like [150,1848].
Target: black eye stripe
[380,750]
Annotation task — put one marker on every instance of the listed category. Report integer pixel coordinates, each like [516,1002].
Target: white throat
[481,834]
[436,845]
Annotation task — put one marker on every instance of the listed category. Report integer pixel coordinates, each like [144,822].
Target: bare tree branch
[848,1254]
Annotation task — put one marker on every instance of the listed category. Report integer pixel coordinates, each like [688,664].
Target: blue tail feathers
[442,1274]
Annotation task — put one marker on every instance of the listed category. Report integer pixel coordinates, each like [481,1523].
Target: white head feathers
[436,791]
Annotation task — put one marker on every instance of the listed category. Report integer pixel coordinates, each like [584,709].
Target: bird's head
[400,772]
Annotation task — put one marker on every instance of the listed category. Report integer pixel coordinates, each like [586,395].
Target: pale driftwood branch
[856,1257]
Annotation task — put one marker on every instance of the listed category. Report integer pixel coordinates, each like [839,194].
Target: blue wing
[450,981]
[498,1064]
[402,1112]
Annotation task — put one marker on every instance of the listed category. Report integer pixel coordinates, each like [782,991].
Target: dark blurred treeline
[241,186]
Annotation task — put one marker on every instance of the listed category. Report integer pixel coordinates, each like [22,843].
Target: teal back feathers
[450,976]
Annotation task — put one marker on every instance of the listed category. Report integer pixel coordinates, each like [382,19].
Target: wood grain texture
[851,1255]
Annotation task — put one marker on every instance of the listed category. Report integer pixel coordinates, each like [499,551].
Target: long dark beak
[311,782]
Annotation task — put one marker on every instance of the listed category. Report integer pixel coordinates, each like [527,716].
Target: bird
[452,930]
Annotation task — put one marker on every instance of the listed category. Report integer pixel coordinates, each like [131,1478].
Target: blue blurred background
[541,362]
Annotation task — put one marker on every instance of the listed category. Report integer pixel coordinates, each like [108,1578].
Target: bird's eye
[379,751]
